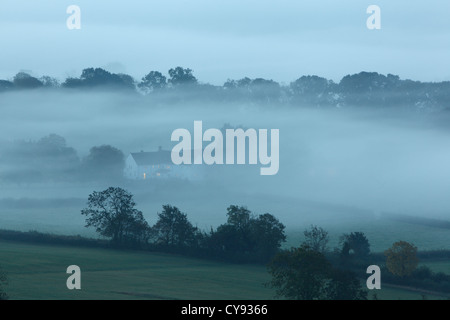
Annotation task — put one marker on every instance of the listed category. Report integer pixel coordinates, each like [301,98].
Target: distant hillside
[436,223]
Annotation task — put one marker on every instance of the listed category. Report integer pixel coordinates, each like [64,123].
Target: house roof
[152,158]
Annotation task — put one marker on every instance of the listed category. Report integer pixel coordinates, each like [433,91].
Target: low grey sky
[281,40]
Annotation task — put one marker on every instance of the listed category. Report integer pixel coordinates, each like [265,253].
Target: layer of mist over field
[337,165]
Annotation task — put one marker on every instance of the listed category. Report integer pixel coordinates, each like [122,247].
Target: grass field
[39,272]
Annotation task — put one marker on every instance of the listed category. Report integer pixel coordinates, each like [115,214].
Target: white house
[158,165]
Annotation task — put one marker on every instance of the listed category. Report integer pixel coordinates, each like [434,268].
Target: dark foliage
[181,76]
[354,246]
[306,274]
[245,238]
[173,229]
[153,81]
[104,163]
[113,214]
[48,159]
[23,80]
[100,78]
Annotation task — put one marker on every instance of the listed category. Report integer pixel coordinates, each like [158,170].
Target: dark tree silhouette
[113,214]
[49,82]
[180,76]
[310,85]
[355,245]
[153,81]
[173,228]
[238,217]
[247,238]
[300,274]
[99,77]
[23,80]
[6,85]
[104,163]
[344,285]
[48,159]
[305,274]
[267,235]
[314,90]
[264,90]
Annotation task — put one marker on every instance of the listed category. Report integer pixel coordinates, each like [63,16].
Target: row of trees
[51,159]
[364,88]
[243,238]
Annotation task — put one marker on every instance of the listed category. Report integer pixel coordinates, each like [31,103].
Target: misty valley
[335,164]
[355,159]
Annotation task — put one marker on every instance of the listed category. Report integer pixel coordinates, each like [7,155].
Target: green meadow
[39,272]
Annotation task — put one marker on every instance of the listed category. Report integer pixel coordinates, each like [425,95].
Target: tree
[238,217]
[180,76]
[104,162]
[173,228]
[267,235]
[247,238]
[355,245]
[112,212]
[49,82]
[227,242]
[310,86]
[305,274]
[235,235]
[316,238]
[258,89]
[300,274]
[372,88]
[153,81]
[23,80]
[49,159]
[264,90]
[98,77]
[314,90]
[6,85]
[344,285]
[51,153]
[401,258]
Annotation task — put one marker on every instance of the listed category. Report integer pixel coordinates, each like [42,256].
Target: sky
[220,40]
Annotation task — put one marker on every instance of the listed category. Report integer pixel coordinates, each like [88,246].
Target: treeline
[50,159]
[362,89]
[244,238]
